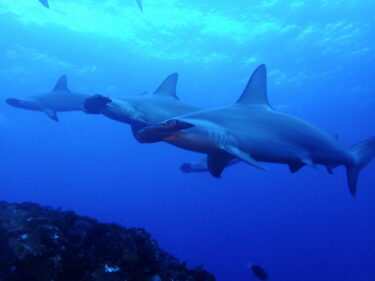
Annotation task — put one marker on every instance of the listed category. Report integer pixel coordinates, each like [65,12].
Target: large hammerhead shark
[252,131]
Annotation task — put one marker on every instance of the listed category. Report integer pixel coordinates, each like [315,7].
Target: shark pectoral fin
[238,153]
[51,114]
[295,166]
[168,87]
[217,161]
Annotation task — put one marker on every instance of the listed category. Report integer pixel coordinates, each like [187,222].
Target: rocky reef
[45,244]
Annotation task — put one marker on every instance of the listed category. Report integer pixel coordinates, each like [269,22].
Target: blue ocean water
[320,57]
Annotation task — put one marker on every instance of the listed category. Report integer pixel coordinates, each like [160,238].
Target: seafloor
[45,244]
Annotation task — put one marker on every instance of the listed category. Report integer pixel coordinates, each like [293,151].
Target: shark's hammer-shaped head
[161,131]
[96,104]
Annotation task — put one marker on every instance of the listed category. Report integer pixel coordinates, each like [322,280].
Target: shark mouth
[158,132]
[14,102]
[96,104]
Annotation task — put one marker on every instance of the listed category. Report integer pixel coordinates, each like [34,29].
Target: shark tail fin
[363,153]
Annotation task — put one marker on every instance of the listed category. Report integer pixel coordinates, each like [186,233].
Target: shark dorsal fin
[168,87]
[62,84]
[255,92]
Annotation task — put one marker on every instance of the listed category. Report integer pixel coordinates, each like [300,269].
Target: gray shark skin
[143,110]
[60,99]
[252,131]
[44,3]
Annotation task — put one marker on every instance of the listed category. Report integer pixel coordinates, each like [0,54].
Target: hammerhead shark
[252,131]
[142,110]
[58,100]
[45,4]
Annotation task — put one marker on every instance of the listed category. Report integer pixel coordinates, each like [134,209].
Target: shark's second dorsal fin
[62,84]
[168,87]
[255,92]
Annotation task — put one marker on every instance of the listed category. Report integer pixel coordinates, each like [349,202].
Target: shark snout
[96,104]
[158,132]
[14,102]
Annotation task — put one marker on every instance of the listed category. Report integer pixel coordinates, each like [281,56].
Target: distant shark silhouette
[252,131]
[58,100]
[143,110]
[45,4]
[200,165]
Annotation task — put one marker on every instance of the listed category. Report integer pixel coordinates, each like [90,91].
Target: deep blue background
[321,61]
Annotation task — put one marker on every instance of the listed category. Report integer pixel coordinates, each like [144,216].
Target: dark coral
[44,244]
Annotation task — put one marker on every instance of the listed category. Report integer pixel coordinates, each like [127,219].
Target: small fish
[259,272]
[44,3]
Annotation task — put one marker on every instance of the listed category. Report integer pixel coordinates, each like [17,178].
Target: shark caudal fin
[44,3]
[363,153]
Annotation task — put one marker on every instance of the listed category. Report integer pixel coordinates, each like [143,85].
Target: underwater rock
[43,244]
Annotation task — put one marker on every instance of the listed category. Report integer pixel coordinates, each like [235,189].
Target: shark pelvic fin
[62,84]
[168,87]
[51,114]
[329,169]
[238,153]
[44,3]
[217,161]
[140,5]
[295,167]
[255,92]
